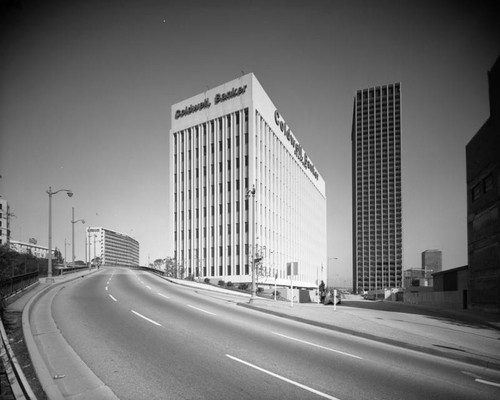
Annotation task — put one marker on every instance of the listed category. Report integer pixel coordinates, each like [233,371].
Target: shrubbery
[229,284]
[207,280]
[243,286]
[221,283]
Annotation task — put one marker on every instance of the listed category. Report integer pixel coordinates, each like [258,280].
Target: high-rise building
[112,248]
[483,205]
[376,174]
[432,260]
[242,185]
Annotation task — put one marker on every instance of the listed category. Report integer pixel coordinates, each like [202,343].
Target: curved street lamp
[73,222]
[50,193]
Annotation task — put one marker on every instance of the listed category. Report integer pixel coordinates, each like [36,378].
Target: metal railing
[68,270]
[10,285]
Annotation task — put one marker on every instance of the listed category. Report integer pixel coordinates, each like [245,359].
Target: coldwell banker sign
[218,98]
[299,153]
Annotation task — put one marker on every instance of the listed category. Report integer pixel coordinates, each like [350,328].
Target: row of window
[379,91]
[482,187]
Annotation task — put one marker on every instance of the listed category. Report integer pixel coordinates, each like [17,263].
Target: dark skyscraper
[376,156]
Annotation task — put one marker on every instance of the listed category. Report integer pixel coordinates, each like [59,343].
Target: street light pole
[73,234]
[254,288]
[49,267]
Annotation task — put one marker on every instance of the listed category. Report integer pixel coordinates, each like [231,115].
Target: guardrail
[13,284]
[156,271]
[68,270]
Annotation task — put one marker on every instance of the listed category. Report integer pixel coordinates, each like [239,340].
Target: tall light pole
[73,222]
[65,245]
[94,246]
[50,193]
[251,192]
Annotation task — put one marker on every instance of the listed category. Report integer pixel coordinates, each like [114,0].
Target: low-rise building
[30,248]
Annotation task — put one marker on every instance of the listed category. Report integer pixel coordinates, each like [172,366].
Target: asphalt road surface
[147,338]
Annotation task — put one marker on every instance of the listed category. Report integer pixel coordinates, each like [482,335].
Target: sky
[86,89]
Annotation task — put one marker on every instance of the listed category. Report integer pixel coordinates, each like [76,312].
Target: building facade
[432,260]
[483,205]
[414,277]
[31,248]
[377,203]
[4,222]
[112,248]
[242,187]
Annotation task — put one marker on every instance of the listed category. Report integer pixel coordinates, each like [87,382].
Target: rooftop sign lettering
[218,98]
[299,153]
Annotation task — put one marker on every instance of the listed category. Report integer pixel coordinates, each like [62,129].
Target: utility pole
[251,192]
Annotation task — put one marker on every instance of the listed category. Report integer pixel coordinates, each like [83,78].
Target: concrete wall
[449,300]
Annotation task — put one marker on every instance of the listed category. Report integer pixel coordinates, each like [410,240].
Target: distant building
[112,248]
[30,248]
[421,277]
[4,222]
[483,205]
[376,174]
[432,260]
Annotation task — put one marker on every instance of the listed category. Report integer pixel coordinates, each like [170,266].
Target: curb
[46,380]
[207,288]
[392,342]
[12,298]
[18,382]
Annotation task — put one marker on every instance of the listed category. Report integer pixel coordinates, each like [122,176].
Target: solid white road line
[309,389]
[112,297]
[106,288]
[487,382]
[162,295]
[317,345]
[148,287]
[199,309]
[146,318]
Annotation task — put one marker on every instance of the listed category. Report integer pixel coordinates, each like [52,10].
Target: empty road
[147,338]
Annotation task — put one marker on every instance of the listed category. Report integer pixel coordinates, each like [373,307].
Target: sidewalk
[24,296]
[461,335]
[60,371]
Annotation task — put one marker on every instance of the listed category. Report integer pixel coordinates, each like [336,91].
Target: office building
[111,248]
[242,185]
[483,205]
[432,260]
[376,173]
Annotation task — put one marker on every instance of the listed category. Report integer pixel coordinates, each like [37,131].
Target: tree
[96,261]
[158,263]
[173,268]
[322,292]
[58,258]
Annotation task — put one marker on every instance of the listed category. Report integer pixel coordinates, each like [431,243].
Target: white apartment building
[113,248]
[31,247]
[240,180]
